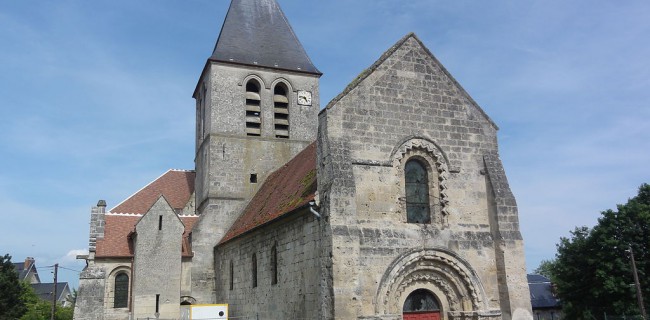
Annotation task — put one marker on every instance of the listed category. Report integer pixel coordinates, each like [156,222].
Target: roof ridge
[133,194]
[370,70]
[299,171]
[124,214]
[367,72]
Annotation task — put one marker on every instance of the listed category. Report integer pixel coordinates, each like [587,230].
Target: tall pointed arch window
[121,298]
[417,192]
[253,108]
[281,111]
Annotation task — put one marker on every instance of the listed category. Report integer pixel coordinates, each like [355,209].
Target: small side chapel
[390,202]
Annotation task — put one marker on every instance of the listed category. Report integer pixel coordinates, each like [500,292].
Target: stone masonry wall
[91,288]
[113,266]
[296,295]
[97,223]
[226,157]
[157,264]
[407,105]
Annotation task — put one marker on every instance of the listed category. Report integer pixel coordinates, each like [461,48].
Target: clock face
[304,98]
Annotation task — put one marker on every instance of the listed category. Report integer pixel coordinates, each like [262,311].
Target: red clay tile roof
[117,228]
[176,185]
[116,232]
[187,244]
[288,188]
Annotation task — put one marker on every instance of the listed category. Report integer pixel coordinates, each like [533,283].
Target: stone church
[390,202]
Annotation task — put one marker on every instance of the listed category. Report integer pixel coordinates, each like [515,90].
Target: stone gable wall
[408,105]
[157,263]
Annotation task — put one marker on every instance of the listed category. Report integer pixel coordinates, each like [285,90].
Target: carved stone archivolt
[442,272]
[432,154]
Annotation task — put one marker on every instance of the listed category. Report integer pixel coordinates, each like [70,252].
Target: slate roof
[24,272]
[176,185]
[257,33]
[285,190]
[20,269]
[45,290]
[541,292]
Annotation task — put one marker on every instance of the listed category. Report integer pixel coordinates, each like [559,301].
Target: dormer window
[253,109]
[281,111]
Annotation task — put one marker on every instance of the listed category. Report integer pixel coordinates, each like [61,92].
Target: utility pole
[639,298]
[56,269]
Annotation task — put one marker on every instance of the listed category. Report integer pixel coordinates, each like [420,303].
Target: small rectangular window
[253,178]
[158,303]
[232,274]
[159,222]
[274,265]
[254,270]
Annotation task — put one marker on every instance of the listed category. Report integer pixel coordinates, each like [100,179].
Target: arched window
[254,270]
[281,111]
[417,192]
[121,298]
[253,108]
[274,264]
[420,302]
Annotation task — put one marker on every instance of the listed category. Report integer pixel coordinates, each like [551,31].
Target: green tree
[11,304]
[592,270]
[545,268]
[38,309]
[73,298]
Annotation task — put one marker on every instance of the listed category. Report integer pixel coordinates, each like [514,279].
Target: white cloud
[96,105]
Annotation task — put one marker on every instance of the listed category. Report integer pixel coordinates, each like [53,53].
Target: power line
[48,267]
[77,271]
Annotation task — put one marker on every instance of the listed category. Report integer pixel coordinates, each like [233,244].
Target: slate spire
[257,33]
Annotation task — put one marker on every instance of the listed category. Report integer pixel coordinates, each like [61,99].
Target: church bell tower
[257,103]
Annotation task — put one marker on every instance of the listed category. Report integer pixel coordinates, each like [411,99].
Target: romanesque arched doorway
[421,304]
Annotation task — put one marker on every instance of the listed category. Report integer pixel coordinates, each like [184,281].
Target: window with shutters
[281,111]
[253,108]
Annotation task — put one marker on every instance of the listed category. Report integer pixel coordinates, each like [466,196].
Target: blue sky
[95,100]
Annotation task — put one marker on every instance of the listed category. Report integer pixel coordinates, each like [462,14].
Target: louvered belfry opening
[281,111]
[253,109]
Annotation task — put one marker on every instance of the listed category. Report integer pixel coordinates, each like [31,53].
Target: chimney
[96,224]
[101,205]
[29,261]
